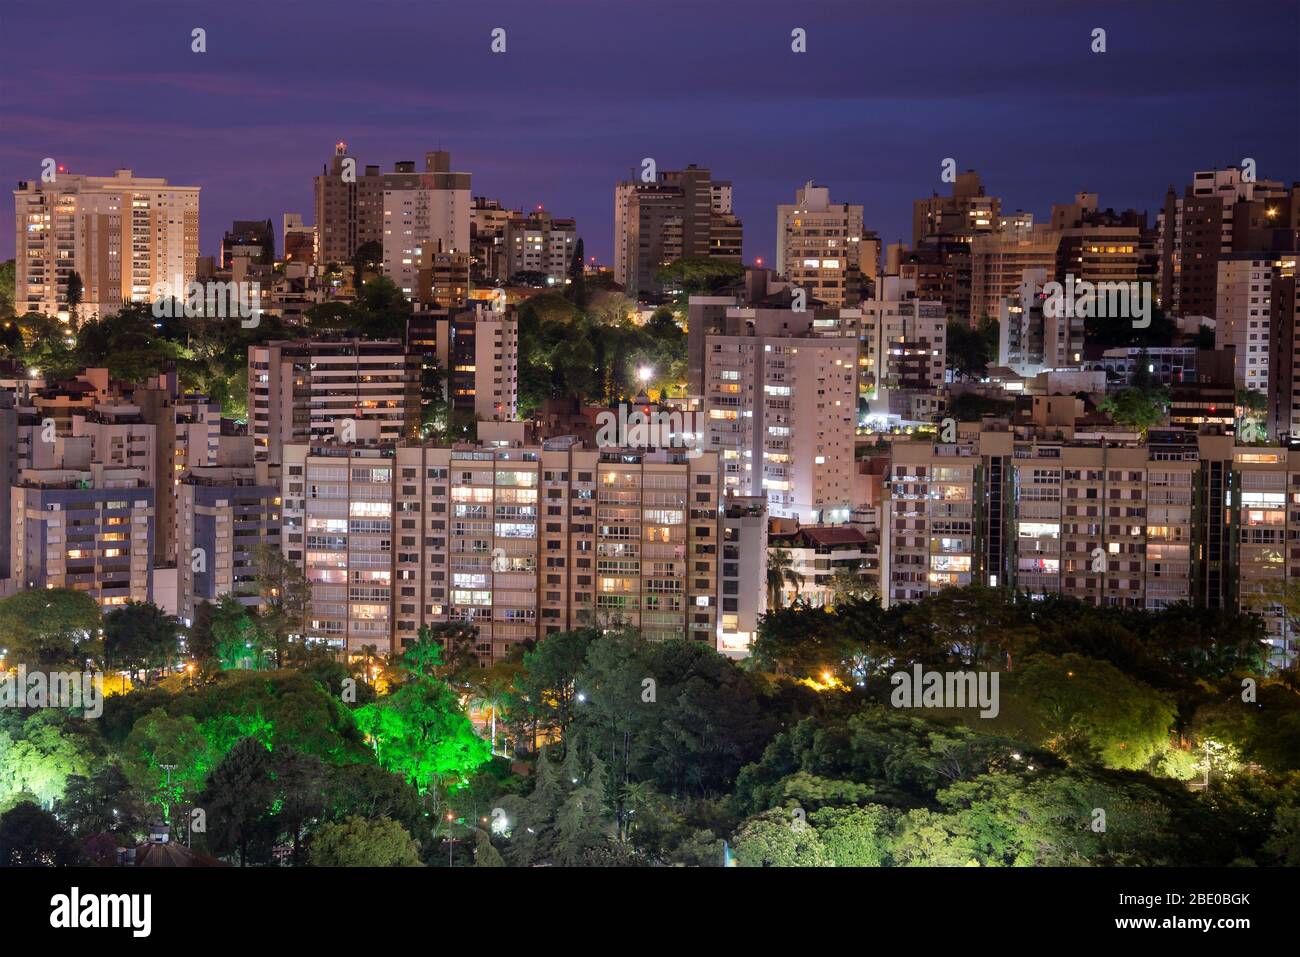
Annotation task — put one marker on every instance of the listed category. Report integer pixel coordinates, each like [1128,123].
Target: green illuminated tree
[158,739]
[419,731]
[41,754]
[237,638]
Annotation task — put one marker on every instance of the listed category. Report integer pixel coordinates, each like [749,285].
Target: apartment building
[904,349]
[743,575]
[1284,355]
[299,240]
[424,211]
[999,264]
[488,221]
[781,405]
[1181,518]
[1243,310]
[816,555]
[968,211]
[349,205]
[301,390]
[122,234]
[479,350]
[1096,245]
[1220,212]
[682,213]
[541,243]
[517,542]
[821,247]
[86,522]
[225,512]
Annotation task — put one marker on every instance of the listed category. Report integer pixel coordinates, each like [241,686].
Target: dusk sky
[589,87]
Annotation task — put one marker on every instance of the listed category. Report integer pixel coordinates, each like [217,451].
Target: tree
[30,837]
[141,636]
[547,685]
[298,783]
[52,626]
[238,640]
[577,274]
[1137,408]
[357,842]
[238,799]
[699,274]
[490,688]
[485,855]
[158,740]
[101,802]
[780,573]
[75,291]
[1090,707]
[369,257]
[779,838]
[419,730]
[971,349]
[285,592]
[43,753]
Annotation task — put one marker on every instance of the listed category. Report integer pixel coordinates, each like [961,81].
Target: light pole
[167,805]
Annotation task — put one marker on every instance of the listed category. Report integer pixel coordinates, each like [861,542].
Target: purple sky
[589,87]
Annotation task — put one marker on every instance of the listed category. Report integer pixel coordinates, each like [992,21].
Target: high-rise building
[1095,245]
[999,263]
[1244,315]
[822,247]
[86,522]
[1220,212]
[302,390]
[426,211]
[516,542]
[540,243]
[781,402]
[1181,518]
[123,235]
[226,512]
[904,349]
[349,208]
[1284,354]
[967,212]
[679,215]
[743,577]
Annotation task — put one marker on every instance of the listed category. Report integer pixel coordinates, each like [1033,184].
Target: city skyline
[254,136]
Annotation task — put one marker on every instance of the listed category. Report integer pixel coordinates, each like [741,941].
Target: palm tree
[490,688]
[780,572]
